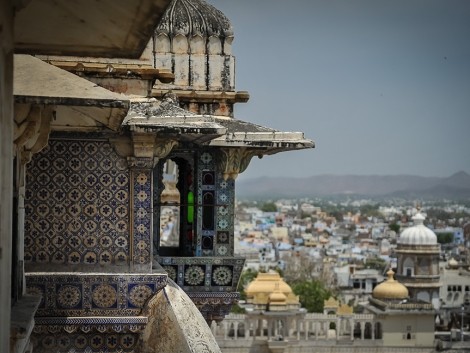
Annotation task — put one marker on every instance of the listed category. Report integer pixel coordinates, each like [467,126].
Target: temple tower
[418,261]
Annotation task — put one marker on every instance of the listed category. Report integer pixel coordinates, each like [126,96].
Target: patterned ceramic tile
[77,205]
[93,294]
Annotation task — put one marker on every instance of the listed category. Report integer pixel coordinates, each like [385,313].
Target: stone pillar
[373,330]
[235,330]
[338,327]
[225,330]
[260,328]
[141,210]
[316,329]
[6,166]
[352,324]
[297,324]
[363,324]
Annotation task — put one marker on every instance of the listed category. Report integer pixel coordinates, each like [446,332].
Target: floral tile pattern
[77,205]
[218,242]
[93,294]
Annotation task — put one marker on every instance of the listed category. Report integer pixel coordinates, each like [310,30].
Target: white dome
[418,234]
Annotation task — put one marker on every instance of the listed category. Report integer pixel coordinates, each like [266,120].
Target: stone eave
[78,103]
[101,28]
[201,96]
[115,70]
[269,141]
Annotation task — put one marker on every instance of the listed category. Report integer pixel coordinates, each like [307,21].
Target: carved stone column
[31,135]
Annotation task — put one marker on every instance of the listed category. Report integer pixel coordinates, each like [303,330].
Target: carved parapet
[233,161]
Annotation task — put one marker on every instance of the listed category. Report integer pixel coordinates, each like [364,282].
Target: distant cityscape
[347,246]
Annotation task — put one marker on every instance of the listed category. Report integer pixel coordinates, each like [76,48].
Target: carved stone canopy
[166,119]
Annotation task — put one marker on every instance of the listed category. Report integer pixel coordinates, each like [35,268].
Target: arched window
[408,267]
[174,221]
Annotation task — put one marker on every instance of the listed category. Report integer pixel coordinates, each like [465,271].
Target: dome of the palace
[194,17]
[270,288]
[418,234]
[266,283]
[390,289]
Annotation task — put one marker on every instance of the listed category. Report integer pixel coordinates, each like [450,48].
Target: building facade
[418,261]
[110,255]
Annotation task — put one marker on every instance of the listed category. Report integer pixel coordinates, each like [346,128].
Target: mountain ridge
[456,186]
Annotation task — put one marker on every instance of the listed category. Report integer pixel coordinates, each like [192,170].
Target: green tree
[269,207]
[245,278]
[395,227]
[445,238]
[312,294]
[375,263]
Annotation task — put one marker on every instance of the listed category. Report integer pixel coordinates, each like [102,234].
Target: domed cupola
[390,289]
[194,18]
[194,41]
[418,262]
[418,234]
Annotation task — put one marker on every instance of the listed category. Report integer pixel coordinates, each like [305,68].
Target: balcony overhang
[78,103]
[98,28]
[242,134]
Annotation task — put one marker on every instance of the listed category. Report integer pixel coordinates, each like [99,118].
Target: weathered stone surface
[176,325]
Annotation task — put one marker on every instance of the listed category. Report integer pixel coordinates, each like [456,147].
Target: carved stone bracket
[31,130]
[233,161]
[163,148]
[142,146]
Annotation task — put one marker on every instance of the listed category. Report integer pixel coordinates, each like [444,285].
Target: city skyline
[382,88]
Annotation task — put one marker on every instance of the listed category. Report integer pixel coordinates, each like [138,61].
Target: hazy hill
[457,186]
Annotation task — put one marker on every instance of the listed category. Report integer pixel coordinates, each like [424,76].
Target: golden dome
[266,283]
[270,288]
[390,289]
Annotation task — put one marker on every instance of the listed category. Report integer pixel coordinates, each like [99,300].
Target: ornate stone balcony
[211,282]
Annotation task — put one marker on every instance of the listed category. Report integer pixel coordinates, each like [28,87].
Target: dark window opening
[174,208]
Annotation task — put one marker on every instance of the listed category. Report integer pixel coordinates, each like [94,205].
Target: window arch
[174,199]
[408,267]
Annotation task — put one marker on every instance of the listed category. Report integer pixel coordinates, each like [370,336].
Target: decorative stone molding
[140,163]
[233,161]
[144,146]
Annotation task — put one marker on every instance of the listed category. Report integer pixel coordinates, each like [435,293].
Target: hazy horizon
[383,88]
[350,174]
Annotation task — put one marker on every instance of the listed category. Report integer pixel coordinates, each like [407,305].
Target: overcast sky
[382,87]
